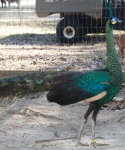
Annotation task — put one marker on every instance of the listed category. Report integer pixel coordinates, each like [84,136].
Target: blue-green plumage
[95,82]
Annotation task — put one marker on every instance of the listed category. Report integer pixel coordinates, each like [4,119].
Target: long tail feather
[23,84]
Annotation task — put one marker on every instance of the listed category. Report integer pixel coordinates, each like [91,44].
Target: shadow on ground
[46,39]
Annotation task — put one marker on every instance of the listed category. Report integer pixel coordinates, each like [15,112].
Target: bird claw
[102,144]
[81,144]
[94,144]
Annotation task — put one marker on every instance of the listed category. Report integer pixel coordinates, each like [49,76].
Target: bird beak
[119,20]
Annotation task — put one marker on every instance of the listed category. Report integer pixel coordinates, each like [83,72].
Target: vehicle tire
[69,31]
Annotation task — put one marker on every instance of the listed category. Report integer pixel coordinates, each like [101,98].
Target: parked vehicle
[77,18]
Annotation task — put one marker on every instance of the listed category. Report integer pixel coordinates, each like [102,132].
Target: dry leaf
[62,59]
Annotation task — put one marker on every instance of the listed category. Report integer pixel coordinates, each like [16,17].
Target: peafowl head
[110,23]
[113,20]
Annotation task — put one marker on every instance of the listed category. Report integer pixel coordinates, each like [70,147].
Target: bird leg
[90,109]
[80,133]
[95,112]
[93,134]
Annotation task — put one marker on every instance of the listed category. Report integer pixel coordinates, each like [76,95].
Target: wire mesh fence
[49,37]
[55,34]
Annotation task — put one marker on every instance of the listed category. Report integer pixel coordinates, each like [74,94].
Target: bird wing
[71,88]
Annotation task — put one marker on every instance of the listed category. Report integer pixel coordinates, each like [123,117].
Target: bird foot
[102,144]
[81,144]
[94,144]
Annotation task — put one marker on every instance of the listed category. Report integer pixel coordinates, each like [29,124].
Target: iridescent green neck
[113,64]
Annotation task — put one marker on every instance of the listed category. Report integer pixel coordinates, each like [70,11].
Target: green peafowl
[96,87]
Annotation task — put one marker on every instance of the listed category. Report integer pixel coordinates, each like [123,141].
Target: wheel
[69,31]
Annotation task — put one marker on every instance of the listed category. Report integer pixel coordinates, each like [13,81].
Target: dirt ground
[59,127]
[48,126]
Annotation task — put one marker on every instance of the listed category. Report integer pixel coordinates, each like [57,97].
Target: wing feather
[71,88]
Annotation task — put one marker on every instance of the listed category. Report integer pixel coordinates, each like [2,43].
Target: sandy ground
[29,132]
